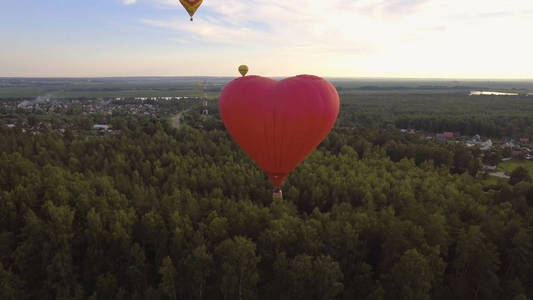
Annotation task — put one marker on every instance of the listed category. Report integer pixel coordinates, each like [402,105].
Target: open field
[494,180]
[509,166]
[109,87]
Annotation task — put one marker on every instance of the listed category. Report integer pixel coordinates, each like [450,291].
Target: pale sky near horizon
[330,38]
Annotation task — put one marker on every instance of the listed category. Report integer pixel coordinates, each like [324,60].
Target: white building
[101,127]
[487,145]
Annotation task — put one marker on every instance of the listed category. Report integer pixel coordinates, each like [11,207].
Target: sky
[331,38]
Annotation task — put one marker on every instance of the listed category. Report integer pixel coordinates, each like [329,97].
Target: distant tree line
[492,116]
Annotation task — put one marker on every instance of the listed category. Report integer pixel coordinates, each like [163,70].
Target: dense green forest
[160,213]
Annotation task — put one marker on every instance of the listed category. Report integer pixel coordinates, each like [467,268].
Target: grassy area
[509,166]
[187,91]
[494,180]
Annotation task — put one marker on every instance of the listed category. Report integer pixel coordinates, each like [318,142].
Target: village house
[476,140]
[485,146]
[440,138]
[510,144]
[448,135]
[489,168]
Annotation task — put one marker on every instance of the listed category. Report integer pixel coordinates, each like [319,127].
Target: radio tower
[201,87]
[205,111]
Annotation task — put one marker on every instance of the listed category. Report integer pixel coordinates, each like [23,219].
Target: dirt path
[176,119]
[499,175]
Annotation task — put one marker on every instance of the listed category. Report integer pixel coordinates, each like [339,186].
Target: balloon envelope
[243,69]
[191,6]
[279,123]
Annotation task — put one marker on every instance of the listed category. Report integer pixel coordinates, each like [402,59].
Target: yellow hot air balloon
[243,69]
[191,6]
[200,89]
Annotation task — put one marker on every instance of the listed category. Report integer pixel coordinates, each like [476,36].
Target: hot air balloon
[279,123]
[191,6]
[243,69]
[200,89]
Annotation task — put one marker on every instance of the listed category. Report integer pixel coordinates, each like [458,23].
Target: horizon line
[279,76]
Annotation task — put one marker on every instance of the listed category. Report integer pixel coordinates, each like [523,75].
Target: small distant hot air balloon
[191,6]
[278,123]
[243,69]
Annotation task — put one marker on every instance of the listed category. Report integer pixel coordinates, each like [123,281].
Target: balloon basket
[277,193]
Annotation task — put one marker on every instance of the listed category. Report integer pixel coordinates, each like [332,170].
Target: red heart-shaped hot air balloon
[279,123]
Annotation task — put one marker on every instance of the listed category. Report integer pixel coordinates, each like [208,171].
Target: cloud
[368,36]
[340,24]
[129,2]
[402,6]
[273,23]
